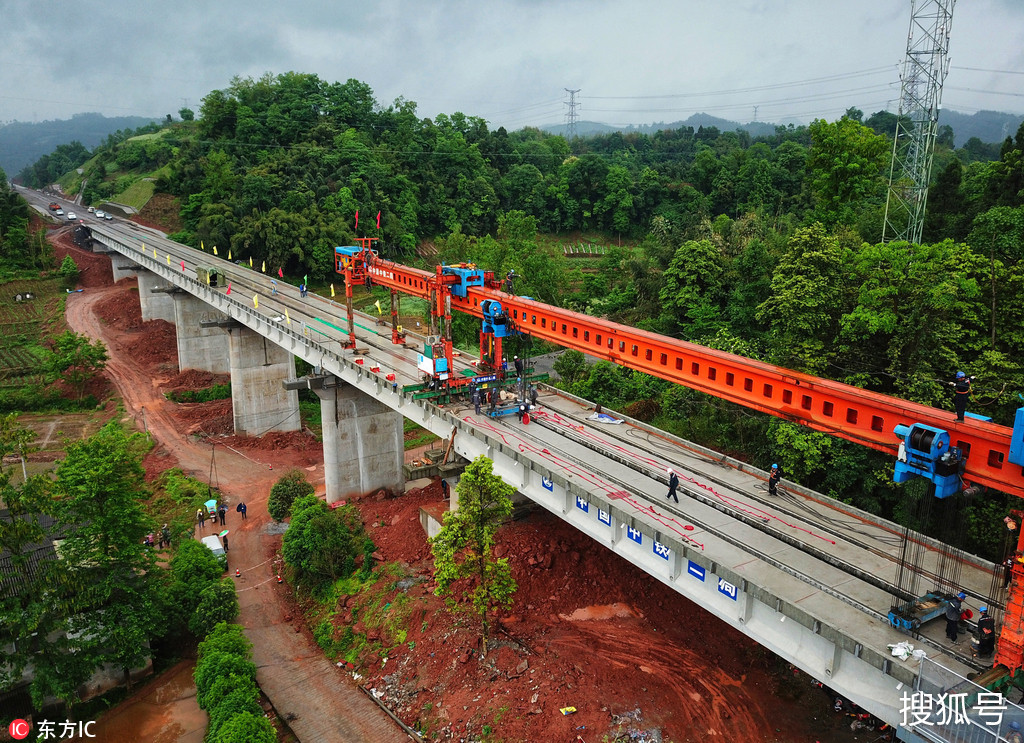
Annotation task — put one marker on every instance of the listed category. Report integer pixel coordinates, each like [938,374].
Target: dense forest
[768,246]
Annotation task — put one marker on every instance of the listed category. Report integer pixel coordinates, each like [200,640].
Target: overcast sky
[507,61]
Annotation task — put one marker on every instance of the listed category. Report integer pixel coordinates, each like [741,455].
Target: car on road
[54,206]
[72,216]
[59,212]
[92,209]
[100,214]
[108,215]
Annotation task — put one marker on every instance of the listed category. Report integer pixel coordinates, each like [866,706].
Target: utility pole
[571,116]
[924,70]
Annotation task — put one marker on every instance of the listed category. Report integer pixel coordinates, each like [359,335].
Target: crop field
[20,330]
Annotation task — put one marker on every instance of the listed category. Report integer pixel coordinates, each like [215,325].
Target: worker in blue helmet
[961,391]
[986,643]
[1014,735]
[953,609]
[773,479]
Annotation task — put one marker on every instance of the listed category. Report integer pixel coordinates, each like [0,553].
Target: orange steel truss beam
[851,413]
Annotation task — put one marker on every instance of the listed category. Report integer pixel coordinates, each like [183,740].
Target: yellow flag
[377,305]
[229,254]
[154,253]
[168,259]
[207,278]
[332,290]
[203,247]
[263,268]
[255,301]
[215,250]
[286,318]
[143,247]
[250,261]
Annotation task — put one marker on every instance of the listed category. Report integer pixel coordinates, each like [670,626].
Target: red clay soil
[587,629]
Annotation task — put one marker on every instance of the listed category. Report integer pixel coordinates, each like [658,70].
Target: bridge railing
[945,707]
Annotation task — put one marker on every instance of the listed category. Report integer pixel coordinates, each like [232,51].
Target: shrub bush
[291,486]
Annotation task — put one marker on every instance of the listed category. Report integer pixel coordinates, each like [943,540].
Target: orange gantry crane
[986,453]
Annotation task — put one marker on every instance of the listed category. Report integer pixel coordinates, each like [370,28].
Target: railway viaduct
[808,580]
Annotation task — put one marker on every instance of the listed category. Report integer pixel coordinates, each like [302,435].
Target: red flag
[229,287]
[280,273]
[357,219]
[183,265]
[378,220]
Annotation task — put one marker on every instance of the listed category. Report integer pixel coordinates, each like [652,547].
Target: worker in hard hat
[961,389]
[985,645]
[1014,734]
[773,479]
[953,609]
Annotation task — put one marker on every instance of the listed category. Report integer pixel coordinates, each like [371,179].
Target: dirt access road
[320,703]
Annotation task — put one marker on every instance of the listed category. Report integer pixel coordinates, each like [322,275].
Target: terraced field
[20,321]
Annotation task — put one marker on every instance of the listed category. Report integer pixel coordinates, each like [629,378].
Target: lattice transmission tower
[924,70]
[571,116]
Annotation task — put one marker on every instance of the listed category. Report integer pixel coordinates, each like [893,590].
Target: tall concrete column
[199,347]
[157,305]
[259,401]
[363,442]
[123,267]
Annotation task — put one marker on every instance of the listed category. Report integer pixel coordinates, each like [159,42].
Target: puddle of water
[601,611]
[165,711]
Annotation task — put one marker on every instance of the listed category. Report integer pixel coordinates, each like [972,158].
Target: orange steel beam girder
[861,416]
[851,413]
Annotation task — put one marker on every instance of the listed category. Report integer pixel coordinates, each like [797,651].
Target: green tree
[692,294]
[807,300]
[284,492]
[76,359]
[193,568]
[31,610]
[100,487]
[246,727]
[68,271]
[846,166]
[322,544]
[464,548]
[570,366]
[218,603]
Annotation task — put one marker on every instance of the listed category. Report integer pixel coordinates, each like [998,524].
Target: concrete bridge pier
[259,402]
[155,297]
[201,343]
[363,439]
[123,267]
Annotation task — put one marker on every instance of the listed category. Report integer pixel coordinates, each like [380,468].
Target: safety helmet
[983,609]
[961,595]
[669,470]
[775,466]
[960,375]
[1014,725]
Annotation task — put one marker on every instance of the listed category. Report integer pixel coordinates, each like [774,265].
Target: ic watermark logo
[19,729]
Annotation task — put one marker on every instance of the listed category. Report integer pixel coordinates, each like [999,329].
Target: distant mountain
[22,143]
[988,126]
[590,128]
